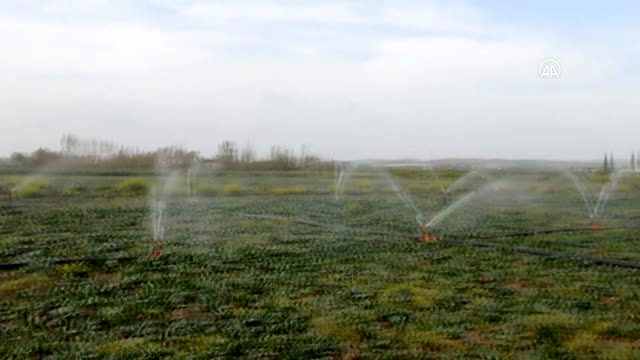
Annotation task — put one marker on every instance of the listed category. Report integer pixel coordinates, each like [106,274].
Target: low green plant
[34,189]
[75,269]
[354,208]
[26,282]
[232,189]
[68,192]
[294,190]
[365,187]
[207,189]
[133,186]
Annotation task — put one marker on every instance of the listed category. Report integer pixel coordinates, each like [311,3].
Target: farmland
[292,265]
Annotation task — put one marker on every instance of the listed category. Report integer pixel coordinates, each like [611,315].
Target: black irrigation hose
[466,236]
[489,245]
[93,261]
[546,253]
[478,244]
[546,231]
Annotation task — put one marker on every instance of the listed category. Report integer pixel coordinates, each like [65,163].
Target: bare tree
[227,153]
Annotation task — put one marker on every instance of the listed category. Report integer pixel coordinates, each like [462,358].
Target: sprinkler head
[156,250]
[10,191]
[594,226]
[428,238]
[425,236]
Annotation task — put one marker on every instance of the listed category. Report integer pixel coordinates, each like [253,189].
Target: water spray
[191,180]
[595,206]
[9,190]
[191,185]
[443,189]
[425,234]
[159,197]
[158,206]
[339,183]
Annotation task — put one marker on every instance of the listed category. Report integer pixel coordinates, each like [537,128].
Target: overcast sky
[350,79]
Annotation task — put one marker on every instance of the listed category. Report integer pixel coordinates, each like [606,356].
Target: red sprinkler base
[594,227]
[428,238]
[9,193]
[156,251]
[425,236]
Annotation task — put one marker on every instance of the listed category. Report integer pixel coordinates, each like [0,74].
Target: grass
[134,186]
[233,286]
[35,188]
[232,189]
[28,282]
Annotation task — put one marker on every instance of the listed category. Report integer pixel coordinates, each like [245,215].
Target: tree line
[97,153]
[609,164]
[230,156]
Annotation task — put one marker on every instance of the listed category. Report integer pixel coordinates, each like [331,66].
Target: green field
[272,265]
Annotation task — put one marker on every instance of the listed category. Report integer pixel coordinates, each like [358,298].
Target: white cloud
[456,17]
[53,48]
[447,83]
[270,12]
[434,16]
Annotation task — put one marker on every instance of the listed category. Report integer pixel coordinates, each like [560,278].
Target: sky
[348,79]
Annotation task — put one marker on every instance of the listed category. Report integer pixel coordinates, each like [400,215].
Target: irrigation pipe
[546,253]
[489,245]
[94,261]
[547,231]
[466,236]
[478,244]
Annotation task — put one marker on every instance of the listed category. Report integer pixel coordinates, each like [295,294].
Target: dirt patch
[518,284]
[110,278]
[28,282]
[189,312]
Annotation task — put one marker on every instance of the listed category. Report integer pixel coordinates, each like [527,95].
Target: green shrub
[232,189]
[37,188]
[551,328]
[26,282]
[365,187]
[432,340]
[134,347]
[134,186]
[207,189]
[334,329]
[69,191]
[76,269]
[295,190]
[354,208]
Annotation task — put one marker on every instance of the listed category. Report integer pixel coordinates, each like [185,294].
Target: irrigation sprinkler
[9,190]
[595,204]
[156,250]
[593,226]
[425,236]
